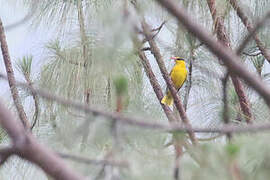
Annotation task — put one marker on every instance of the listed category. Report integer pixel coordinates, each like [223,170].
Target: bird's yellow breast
[179,74]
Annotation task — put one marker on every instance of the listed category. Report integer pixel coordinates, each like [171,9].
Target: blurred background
[85,50]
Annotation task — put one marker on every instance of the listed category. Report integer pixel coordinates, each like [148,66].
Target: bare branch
[5,153]
[26,146]
[226,117]
[252,32]
[155,51]
[139,122]
[223,37]
[245,20]
[229,58]
[11,77]
[122,164]
[157,30]
[189,82]
[36,101]
[27,17]
[155,85]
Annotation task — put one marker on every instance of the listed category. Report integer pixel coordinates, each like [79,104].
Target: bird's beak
[174,58]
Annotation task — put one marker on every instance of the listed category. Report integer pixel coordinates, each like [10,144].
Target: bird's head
[178,59]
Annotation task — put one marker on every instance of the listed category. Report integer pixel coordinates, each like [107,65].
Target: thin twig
[189,82]
[260,24]
[80,159]
[230,59]
[26,18]
[141,122]
[245,20]
[223,37]
[157,30]
[226,117]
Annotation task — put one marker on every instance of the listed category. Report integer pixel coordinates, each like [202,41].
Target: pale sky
[22,40]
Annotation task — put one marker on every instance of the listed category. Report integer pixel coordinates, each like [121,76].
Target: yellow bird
[178,75]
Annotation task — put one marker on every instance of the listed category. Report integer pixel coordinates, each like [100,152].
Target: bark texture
[230,58]
[156,52]
[11,77]
[27,147]
[223,37]
[245,20]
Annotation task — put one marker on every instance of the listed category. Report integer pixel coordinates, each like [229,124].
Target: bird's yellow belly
[178,77]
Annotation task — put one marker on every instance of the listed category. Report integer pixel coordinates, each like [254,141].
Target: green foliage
[121,85]
[232,149]
[116,71]
[24,65]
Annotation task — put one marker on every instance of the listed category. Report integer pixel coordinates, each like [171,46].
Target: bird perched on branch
[178,75]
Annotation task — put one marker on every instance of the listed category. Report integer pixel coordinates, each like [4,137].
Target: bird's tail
[168,100]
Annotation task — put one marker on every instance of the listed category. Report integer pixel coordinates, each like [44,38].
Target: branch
[36,102]
[250,27]
[252,32]
[122,164]
[189,82]
[158,29]
[139,122]
[223,37]
[11,77]
[5,153]
[27,17]
[27,147]
[157,89]
[155,85]
[155,51]
[153,30]
[226,117]
[230,59]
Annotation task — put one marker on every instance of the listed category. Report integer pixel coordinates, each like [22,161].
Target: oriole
[178,75]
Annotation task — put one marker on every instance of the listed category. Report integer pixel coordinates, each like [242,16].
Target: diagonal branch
[258,25]
[156,52]
[155,85]
[230,59]
[27,147]
[11,77]
[5,153]
[27,17]
[157,89]
[223,37]
[245,20]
